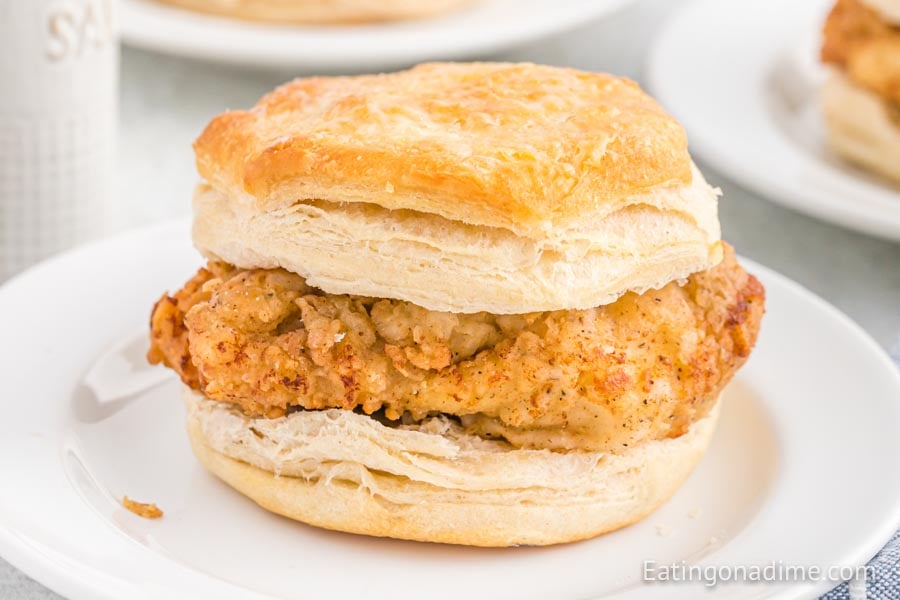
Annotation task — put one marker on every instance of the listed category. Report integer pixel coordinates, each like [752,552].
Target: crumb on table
[148,511]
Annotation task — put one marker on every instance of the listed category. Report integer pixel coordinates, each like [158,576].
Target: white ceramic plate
[804,468]
[487,27]
[744,79]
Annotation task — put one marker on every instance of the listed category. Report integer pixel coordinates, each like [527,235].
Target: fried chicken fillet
[860,42]
[645,367]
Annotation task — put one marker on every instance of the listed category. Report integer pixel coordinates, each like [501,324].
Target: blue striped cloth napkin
[885,580]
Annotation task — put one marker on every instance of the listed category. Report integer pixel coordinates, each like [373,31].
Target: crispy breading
[168,333]
[644,367]
[866,47]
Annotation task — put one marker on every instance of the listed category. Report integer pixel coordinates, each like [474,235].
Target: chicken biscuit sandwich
[483,304]
[861,98]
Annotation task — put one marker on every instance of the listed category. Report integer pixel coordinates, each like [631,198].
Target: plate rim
[26,556]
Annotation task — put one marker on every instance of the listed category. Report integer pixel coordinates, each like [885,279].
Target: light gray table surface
[166,102]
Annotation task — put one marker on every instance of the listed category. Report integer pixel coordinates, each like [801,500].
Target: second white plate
[744,82]
[487,27]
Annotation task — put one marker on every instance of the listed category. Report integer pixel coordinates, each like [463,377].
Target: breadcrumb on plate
[148,511]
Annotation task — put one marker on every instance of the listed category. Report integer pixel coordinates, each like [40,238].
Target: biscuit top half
[561,178]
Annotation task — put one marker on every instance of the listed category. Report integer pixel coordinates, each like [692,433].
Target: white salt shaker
[58,96]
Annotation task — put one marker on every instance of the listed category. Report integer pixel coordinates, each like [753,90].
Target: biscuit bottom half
[861,126]
[431,481]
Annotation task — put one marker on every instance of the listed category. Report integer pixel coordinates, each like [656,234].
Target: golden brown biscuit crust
[354,479]
[518,146]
